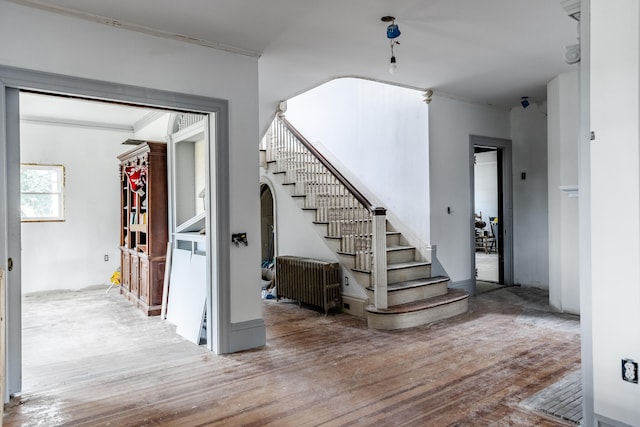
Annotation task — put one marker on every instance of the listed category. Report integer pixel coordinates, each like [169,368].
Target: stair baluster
[358,224]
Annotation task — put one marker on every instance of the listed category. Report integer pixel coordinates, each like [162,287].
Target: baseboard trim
[602,421]
[353,306]
[247,335]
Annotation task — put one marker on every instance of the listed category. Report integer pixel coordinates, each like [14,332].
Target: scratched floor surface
[91,359]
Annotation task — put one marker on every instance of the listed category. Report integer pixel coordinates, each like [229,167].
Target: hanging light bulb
[393,32]
[393,67]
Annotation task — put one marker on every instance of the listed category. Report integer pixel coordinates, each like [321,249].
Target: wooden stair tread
[452,296]
[416,283]
[345,253]
[389,249]
[399,266]
[399,248]
[407,264]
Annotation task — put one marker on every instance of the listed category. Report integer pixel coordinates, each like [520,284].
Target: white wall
[70,254]
[562,101]
[615,205]
[530,217]
[485,172]
[34,39]
[451,122]
[379,134]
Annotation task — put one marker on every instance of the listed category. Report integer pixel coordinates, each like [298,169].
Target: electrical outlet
[630,371]
[106,258]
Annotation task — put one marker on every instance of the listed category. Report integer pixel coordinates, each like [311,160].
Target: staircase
[401,291]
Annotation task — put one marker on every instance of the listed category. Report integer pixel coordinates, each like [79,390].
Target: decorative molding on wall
[572,7]
[572,54]
[134,27]
[39,120]
[147,120]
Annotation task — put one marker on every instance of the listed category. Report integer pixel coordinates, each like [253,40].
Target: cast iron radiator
[308,281]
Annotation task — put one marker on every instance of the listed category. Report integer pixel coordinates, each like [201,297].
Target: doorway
[491,201]
[13,81]
[268,241]
[267,227]
[66,259]
[487,192]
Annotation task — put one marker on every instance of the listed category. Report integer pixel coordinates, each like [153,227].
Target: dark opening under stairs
[412,296]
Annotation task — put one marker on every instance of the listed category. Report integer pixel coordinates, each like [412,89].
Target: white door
[10,234]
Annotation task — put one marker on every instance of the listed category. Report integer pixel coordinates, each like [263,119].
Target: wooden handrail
[327,164]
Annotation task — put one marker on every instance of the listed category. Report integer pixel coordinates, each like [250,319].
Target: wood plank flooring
[91,359]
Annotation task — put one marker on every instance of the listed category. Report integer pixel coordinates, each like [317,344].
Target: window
[41,192]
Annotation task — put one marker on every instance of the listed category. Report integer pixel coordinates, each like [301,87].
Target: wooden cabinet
[143,277]
[144,228]
[135,275]
[125,262]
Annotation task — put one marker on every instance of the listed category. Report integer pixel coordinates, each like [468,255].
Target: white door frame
[10,234]
[218,258]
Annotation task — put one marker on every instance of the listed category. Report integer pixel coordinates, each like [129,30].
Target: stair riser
[311,186]
[351,243]
[364,279]
[401,255]
[393,239]
[413,294]
[340,214]
[356,231]
[309,215]
[321,229]
[299,201]
[409,273]
[348,261]
[311,182]
[417,318]
[315,200]
[334,244]
[286,164]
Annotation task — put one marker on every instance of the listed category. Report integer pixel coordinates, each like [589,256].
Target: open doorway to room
[267,235]
[219,334]
[102,219]
[491,201]
[486,214]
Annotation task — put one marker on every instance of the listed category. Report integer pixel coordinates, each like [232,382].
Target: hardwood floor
[91,359]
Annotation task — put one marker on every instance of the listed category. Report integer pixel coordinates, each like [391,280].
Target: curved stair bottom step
[418,313]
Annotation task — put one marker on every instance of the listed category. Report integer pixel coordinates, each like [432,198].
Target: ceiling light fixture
[393,32]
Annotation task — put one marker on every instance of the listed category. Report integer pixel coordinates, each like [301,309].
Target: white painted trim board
[187,294]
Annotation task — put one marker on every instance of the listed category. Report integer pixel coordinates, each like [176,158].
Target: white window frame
[59,192]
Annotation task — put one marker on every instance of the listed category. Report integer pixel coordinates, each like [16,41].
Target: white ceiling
[486,51]
[38,108]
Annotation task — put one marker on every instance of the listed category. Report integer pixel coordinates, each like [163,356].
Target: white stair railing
[350,217]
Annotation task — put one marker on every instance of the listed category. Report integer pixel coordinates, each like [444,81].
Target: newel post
[379,248]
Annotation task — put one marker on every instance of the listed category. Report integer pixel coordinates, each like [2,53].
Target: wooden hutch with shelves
[144,227]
